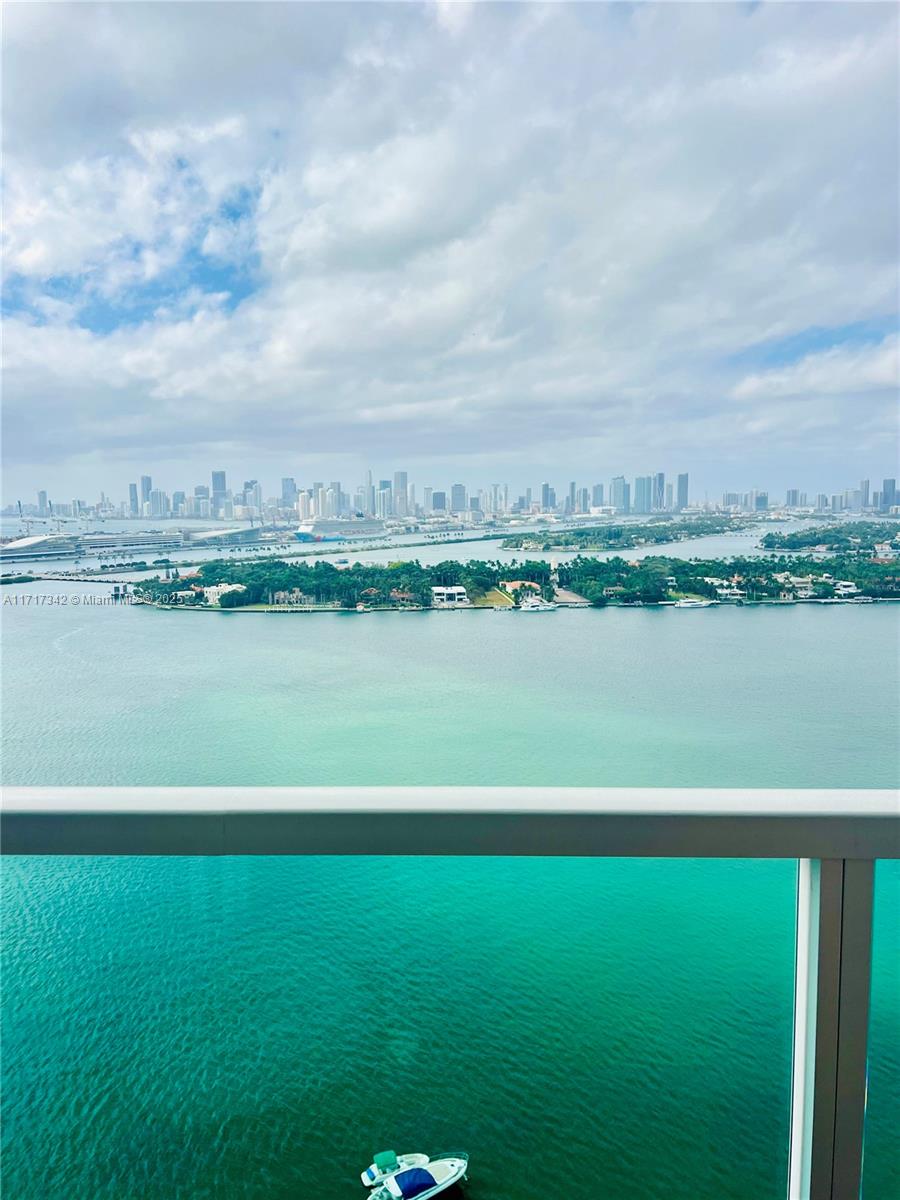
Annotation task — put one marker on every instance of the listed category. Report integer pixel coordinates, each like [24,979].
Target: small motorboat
[420,1183]
[388,1163]
[536,604]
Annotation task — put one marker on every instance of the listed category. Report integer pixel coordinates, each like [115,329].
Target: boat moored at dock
[537,604]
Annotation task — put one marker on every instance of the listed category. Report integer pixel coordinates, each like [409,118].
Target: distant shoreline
[325,610]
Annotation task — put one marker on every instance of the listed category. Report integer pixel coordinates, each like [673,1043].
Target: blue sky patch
[814,340]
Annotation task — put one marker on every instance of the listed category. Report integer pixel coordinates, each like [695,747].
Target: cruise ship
[336,530]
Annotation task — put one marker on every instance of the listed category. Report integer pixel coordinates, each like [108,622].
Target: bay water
[259,1027]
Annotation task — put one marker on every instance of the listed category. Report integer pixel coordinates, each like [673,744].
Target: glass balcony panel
[259,1027]
[881,1150]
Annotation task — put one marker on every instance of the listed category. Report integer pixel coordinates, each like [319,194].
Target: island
[282,586]
[620,535]
[879,539]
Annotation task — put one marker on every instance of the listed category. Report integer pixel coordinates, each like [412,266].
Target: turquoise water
[232,1028]
[881,1159]
[236,1027]
[804,696]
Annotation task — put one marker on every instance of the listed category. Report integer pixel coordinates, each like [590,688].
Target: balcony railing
[835,835]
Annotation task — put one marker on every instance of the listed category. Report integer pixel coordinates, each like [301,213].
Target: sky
[479,242]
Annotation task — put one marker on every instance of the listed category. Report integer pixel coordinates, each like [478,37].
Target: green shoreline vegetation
[622,536]
[857,537]
[277,585]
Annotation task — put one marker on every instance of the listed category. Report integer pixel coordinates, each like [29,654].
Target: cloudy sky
[480,242]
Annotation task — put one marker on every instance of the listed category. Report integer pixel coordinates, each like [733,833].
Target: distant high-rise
[439,501]
[659,491]
[864,492]
[179,504]
[620,495]
[792,499]
[219,492]
[426,499]
[383,503]
[134,504]
[597,495]
[159,503]
[42,504]
[545,497]
[252,495]
[401,495]
[681,501]
[571,503]
[146,489]
[888,494]
[458,498]
[643,493]
[761,501]
[288,492]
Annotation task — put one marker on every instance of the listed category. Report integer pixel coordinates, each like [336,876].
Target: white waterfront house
[214,592]
[450,597]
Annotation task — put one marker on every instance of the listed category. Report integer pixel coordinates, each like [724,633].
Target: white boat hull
[445,1171]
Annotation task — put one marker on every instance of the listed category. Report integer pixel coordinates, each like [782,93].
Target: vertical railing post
[805,995]
[831,1024]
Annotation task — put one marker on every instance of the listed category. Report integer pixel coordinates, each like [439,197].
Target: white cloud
[453,15]
[505,229]
[117,221]
[835,372]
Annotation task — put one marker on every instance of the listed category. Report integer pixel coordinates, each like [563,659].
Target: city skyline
[396,497]
[377,232]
